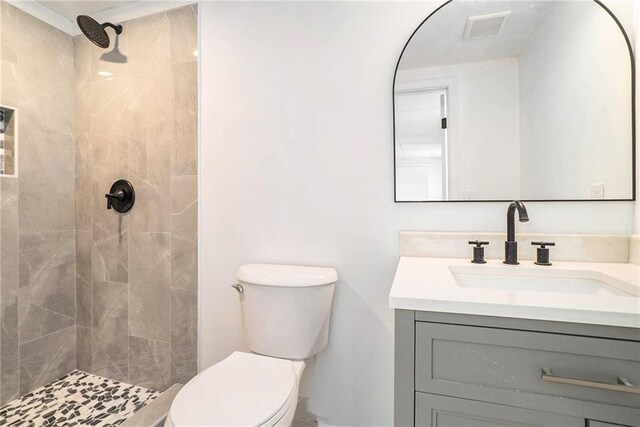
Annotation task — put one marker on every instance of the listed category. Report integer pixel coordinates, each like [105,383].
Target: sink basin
[538,280]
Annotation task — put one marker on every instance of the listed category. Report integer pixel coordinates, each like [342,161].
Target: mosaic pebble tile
[77,399]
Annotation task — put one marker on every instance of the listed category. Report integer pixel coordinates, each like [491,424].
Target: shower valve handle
[121,196]
[118,195]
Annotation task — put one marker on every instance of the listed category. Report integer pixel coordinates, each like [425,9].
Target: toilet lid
[242,390]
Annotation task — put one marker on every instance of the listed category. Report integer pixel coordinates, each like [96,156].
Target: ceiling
[62,14]
[71,9]
[439,41]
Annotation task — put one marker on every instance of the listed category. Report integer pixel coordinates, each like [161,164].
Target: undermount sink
[538,280]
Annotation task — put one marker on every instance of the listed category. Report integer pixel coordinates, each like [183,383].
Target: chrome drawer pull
[623,384]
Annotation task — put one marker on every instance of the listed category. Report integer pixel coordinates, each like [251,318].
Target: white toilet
[285,312]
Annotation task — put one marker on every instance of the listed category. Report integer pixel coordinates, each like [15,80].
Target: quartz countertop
[428,284]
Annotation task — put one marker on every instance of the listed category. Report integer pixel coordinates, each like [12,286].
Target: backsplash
[634,249]
[569,247]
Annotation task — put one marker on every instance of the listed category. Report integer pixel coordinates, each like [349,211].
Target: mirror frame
[633,122]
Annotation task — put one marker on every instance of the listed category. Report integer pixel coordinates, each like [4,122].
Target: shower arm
[117,28]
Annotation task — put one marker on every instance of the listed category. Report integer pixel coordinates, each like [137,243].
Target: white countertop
[428,284]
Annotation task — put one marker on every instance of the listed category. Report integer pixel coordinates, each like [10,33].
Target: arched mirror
[502,100]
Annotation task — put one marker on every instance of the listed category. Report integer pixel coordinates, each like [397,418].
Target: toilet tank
[286,309]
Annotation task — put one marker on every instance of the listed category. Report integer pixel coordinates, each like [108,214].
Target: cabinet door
[439,411]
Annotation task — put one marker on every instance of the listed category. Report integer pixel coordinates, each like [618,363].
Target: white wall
[483,125]
[297,166]
[570,75]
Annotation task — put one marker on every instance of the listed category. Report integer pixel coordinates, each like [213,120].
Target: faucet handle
[542,244]
[478,251]
[542,255]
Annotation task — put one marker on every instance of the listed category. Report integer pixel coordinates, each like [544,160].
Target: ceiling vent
[485,25]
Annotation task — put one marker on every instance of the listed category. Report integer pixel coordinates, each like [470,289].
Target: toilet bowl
[242,390]
[285,313]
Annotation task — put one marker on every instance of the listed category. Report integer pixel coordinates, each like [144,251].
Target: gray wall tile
[46,283]
[8,54]
[47,271]
[149,163]
[9,32]
[82,181]
[36,321]
[82,76]
[183,24]
[138,125]
[149,299]
[110,100]
[47,358]
[184,264]
[46,184]
[84,353]
[37,209]
[82,286]
[108,158]
[184,320]
[9,350]
[184,150]
[9,319]
[84,282]
[151,211]
[45,75]
[8,234]
[149,363]
[184,207]
[184,232]
[110,248]
[110,330]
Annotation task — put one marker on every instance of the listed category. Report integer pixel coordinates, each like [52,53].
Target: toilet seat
[242,390]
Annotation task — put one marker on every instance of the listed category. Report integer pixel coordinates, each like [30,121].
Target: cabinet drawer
[440,411]
[506,366]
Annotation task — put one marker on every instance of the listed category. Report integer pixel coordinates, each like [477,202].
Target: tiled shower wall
[136,273]
[81,286]
[37,292]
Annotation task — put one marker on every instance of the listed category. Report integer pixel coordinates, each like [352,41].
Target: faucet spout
[511,246]
[523,216]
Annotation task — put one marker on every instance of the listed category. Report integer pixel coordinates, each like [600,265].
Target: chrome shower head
[95,31]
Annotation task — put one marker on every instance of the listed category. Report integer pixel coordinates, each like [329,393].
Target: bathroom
[252,132]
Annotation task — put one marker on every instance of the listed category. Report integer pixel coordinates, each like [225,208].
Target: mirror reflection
[504,100]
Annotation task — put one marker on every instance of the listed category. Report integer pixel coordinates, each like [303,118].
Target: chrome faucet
[511,246]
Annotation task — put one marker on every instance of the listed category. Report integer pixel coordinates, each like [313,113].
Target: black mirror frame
[633,122]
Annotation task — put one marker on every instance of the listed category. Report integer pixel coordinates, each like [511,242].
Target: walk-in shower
[98,307]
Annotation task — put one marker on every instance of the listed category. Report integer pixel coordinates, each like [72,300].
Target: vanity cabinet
[464,370]
[440,411]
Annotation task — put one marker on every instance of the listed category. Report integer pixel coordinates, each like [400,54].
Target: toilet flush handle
[238,288]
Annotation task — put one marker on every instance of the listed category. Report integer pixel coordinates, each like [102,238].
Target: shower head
[96,31]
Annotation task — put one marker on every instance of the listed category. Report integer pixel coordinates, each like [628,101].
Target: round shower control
[121,196]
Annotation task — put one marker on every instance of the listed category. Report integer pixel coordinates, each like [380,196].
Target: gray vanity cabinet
[461,370]
[440,411]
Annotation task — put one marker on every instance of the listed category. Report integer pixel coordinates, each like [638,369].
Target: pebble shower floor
[77,399]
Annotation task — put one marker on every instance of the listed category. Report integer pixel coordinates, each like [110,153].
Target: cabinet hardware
[623,384]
